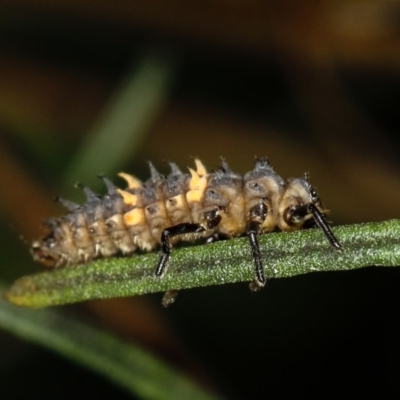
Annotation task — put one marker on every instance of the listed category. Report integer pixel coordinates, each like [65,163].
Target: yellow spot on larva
[201,169]
[129,198]
[193,196]
[133,183]
[197,186]
[194,182]
[134,217]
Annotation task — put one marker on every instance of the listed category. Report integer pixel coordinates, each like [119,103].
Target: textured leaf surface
[284,255]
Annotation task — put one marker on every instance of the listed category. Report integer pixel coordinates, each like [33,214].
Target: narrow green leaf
[125,364]
[284,254]
[126,119]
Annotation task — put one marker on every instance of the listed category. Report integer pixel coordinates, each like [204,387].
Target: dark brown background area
[315,86]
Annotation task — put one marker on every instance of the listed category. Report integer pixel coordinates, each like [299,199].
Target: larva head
[293,209]
[42,252]
[48,251]
[263,186]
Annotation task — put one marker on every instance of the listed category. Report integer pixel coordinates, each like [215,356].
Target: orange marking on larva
[133,183]
[197,186]
[194,196]
[129,198]
[194,181]
[134,217]
[200,168]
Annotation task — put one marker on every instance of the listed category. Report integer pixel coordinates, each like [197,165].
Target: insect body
[182,207]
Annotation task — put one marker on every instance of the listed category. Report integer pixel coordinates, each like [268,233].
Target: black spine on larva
[175,183]
[262,168]
[224,176]
[154,174]
[152,187]
[262,181]
[220,181]
[86,232]
[70,205]
[175,171]
[174,188]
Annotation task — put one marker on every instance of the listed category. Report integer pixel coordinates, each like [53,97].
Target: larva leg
[299,201]
[323,224]
[212,218]
[180,229]
[257,215]
[169,297]
[260,277]
[296,214]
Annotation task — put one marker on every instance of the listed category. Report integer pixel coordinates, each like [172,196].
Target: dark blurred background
[93,87]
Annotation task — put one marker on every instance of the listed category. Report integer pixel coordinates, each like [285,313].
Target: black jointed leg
[169,297]
[252,234]
[321,222]
[180,229]
[258,215]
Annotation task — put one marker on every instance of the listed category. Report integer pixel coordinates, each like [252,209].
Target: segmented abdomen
[122,220]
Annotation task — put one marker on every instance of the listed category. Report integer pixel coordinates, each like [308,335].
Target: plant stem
[284,255]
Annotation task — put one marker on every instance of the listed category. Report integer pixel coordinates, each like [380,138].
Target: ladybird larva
[182,207]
